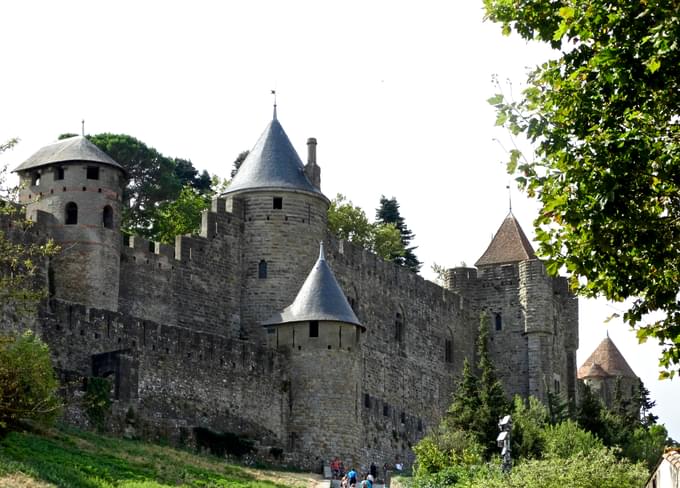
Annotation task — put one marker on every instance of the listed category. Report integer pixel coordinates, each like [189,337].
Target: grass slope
[76,459]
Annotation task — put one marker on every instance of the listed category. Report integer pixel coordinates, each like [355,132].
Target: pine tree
[493,402]
[388,213]
[645,404]
[479,401]
[589,413]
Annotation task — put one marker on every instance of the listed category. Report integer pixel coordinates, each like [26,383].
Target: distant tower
[321,336]
[533,333]
[606,367]
[80,188]
[284,219]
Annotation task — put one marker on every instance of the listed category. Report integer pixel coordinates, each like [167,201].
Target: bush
[445,448]
[568,439]
[28,386]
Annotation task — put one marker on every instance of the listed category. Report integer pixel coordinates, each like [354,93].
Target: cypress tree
[388,213]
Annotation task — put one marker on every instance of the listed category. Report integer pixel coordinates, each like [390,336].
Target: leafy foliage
[479,401]
[28,387]
[388,213]
[180,216]
[604,119]
[349,222]
[21,287]
[97,401]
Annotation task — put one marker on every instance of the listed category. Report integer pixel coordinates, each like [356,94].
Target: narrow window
[278,203]
[92,172]
[107,217]
[386,410]
[499,321]
[448,351]
[399,327]
[367,400]
[313,328]
[35,178]
[59,173]
[262,270]
[71,212]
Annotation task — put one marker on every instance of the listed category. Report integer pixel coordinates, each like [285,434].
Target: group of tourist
[351,478]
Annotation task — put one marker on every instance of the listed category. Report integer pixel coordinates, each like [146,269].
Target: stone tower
[284,219]
[605,370]
[75,189]
[321,336]
[533,317]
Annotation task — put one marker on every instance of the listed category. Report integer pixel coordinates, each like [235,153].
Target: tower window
[35,178]
[92,173]
[448,351]
[59,173]
[278,203]
[499,321]
[71,213]
[313,328]
[262,270]
[107,217]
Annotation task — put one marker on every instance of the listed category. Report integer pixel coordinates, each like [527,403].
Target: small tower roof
[608,358]
[320,298]
[592,370]
[509,245]
[272,164]
[77,148]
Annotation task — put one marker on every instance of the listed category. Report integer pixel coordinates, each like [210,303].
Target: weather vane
[274,93]
[509,196]
[82,126]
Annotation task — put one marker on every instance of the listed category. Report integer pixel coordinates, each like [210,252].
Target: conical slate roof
[272,164]
[77,148]
[320,298]
[608,357]
[509,245]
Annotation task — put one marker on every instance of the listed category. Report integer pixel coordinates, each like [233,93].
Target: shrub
[28,386]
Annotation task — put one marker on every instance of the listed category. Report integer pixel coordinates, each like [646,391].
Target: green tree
[479,401]
[21,255]
[181,216]
[349,222]
[589,413]
[238,162]
[388,213]
[529,419]
[603,119]
[28,387]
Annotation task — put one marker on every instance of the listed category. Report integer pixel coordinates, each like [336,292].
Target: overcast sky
[395,92]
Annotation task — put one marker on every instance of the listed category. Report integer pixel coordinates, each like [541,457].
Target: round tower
[74,190]
[321,336]
[284,217]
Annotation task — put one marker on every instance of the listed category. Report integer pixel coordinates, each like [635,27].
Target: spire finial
[82,127]
[509,197]
[274,93]
[322,257]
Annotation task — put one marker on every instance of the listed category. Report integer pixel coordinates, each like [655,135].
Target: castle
[253,327]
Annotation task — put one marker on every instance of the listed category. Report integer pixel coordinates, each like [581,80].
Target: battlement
[390,274]
[88,330]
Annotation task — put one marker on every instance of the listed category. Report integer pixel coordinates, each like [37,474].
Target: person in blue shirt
[352,477]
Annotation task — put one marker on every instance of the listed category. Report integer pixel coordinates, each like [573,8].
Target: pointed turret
[509,245]
[609,359]
[320,298]
[272,164]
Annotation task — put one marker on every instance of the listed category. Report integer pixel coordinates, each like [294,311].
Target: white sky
[394,91]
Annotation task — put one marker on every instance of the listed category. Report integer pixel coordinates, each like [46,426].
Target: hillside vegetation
[76,459]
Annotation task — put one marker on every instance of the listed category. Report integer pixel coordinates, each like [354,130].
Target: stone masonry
[180,329]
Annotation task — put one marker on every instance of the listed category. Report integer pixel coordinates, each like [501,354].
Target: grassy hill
[76,459]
